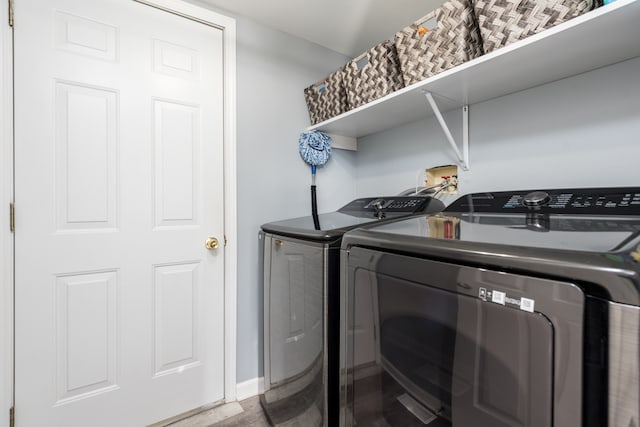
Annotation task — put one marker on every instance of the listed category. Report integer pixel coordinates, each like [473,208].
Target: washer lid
[332,225]
[601,234]
[359,212]
[601,250]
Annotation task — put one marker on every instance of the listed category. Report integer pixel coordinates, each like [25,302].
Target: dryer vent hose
[314,208]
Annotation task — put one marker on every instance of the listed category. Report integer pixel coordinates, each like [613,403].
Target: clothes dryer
[301,306]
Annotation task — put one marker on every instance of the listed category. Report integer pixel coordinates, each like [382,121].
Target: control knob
[536,198]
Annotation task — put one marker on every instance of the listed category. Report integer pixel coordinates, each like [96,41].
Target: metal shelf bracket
[463,158]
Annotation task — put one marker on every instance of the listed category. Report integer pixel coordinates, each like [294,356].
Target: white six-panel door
[118,183]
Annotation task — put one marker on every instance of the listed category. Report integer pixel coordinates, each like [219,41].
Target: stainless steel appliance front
[435,343]
[296,274]
[513,308]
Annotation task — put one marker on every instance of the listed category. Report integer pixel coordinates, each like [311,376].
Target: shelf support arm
[463,158]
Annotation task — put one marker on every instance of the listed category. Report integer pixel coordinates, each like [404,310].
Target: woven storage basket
[326,98]
[444,38]
[372,75]
[505,21]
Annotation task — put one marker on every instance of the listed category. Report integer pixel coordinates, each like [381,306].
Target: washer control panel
[596,201]
[536,198]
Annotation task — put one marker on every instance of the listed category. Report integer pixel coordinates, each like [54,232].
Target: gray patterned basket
[326,98]
[372,75]
[505,21]
[442,39]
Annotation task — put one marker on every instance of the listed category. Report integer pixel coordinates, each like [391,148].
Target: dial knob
[536,198]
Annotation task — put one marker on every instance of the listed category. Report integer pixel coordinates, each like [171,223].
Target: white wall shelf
[602,37]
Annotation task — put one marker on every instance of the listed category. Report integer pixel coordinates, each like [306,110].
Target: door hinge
[11,13]
[12,218]
[12,419]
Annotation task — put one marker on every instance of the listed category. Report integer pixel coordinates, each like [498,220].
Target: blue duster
[315,149]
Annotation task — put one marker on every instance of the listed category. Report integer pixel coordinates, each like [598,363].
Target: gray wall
[582,131]
[273,181]
[578,132]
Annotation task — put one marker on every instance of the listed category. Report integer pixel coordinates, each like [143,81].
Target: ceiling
[346,26]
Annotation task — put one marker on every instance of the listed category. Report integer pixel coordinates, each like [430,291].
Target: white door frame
[6,197]
[228,27]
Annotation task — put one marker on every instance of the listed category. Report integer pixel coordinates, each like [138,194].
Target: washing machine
[300,259]
[517,308]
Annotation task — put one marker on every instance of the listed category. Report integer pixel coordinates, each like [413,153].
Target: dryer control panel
[389,205]
[590,201]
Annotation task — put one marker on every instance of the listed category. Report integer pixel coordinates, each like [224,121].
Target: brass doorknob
[211,243]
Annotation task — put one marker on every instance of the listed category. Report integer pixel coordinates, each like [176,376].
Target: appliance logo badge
[499,297]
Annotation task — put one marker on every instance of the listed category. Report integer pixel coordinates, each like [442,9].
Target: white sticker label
[527,304]
[498,297]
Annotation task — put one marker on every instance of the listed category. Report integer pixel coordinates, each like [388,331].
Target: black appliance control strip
[595,201]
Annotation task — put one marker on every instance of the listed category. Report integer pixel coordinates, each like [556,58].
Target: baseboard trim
[250,388]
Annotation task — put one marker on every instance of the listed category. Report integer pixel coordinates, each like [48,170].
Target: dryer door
[473,363]
[294,290]
[459,346]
